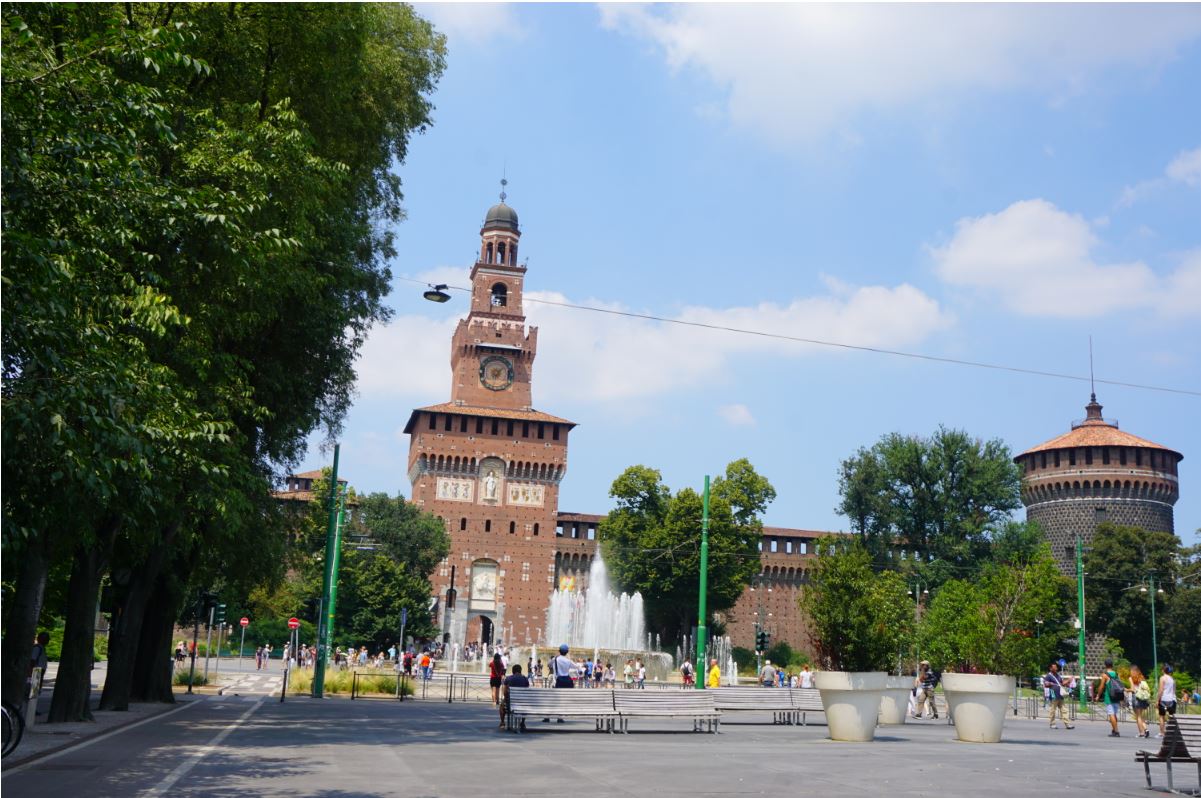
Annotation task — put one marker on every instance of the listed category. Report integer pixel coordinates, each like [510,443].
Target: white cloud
[471,23]
[801,71]
[588,356]
[1038,260]
[1186,168]
[737,415]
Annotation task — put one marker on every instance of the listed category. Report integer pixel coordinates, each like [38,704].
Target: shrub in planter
[859,619]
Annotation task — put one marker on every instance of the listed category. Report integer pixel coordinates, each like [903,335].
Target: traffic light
[761,640]
[219,616]
[312,609]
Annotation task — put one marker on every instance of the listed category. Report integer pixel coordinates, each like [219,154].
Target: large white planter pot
[977,703]
[851,702]
[894,704]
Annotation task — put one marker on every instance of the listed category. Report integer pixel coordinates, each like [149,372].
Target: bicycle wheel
[13,728]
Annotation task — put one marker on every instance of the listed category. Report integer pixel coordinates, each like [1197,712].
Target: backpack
[1143,691]
[1117,693]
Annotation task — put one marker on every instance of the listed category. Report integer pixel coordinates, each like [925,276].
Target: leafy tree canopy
[941,496]
[651,541]
[860,619]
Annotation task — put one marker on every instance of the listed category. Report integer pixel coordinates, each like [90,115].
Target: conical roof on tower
[1094,430]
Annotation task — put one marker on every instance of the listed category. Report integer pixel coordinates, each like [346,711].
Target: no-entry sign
[293,623]
[245,621]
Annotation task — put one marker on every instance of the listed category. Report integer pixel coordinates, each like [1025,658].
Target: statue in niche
[490,483]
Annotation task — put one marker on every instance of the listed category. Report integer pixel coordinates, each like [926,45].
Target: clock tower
[488,463]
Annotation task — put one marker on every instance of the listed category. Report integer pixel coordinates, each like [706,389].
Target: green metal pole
[332,604]
[1080,616]
[702,631]
[330,547]
[1154,646]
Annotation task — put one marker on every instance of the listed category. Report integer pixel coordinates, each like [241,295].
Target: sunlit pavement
[254,745]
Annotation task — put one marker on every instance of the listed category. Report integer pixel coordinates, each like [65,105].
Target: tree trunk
[152,668]
[125,636]
[25,607]
[73,685]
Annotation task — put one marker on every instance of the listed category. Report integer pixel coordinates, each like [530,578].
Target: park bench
[695,704]
[776,700]
[1181,743]
[527,702]
[806,700]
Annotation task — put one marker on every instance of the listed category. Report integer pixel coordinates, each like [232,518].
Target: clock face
[496,373]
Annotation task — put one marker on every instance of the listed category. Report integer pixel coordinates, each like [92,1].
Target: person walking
[1165,698]
[496,676]
[714,674]
[806,678]
[1142,699]
[1054,692]
[925,682]
[1113,693]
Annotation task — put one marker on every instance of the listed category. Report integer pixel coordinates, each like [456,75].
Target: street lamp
[761,581]
[437,293]
[1154,641]
[919,594]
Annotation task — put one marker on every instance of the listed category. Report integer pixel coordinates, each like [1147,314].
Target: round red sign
[293,623]
[245,621]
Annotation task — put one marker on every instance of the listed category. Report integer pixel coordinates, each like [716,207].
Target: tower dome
[501,217]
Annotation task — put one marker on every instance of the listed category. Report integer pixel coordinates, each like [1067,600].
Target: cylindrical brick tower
[1097,473]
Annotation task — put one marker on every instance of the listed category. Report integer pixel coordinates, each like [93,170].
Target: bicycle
[13,728]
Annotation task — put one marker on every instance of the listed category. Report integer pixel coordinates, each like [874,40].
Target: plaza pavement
[253,745]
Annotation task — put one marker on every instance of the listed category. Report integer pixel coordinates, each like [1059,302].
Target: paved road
[256,746]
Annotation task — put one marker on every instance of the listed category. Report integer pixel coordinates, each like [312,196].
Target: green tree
[941,496]
[1119,560]
[1011,619]
[412,537]
[860,619]
[193,256]
[373,590]
[651,542]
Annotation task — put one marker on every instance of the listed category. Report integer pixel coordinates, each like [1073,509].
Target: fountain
[596,618]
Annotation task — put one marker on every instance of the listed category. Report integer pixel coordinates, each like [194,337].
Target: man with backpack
[1113,693]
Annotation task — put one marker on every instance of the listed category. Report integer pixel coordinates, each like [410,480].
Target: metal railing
[398,693]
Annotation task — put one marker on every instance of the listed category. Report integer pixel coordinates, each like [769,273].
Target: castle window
[500,294]
[495,427]
[774,545]
[541,430]
[1072,457]
[1105,456]
[512,527]
[462,423]
[487,526]
[1088,456]
[448,421]
[1138,457]
[1044,460]
[1122,456]
[788,547]
[535,530]
[509,429]
[1057,459]
[525,429]
[462,524]
[479,426]
[592,533]
[433,421]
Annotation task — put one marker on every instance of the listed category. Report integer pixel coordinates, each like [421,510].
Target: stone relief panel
[526,495]
[455,490]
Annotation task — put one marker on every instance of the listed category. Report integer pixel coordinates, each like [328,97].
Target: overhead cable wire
[840,345]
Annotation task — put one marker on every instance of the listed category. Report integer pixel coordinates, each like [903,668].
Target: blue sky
[990,183]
